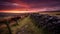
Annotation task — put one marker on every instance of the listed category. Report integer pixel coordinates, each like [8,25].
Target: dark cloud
[9,4]
[42,5]
[39,1]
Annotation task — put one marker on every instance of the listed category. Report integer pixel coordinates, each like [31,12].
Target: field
[26,24]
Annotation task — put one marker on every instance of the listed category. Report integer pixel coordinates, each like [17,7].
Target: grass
[21,23]
[28,26]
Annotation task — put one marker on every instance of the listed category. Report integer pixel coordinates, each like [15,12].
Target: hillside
[34,24]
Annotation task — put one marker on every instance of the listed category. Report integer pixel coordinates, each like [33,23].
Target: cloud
[8,5]
[28,4]
[38,1]
[38,4]
[45,4]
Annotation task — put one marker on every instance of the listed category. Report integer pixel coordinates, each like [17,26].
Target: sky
[29,5]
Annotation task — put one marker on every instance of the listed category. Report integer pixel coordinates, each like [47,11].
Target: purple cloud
[32,4]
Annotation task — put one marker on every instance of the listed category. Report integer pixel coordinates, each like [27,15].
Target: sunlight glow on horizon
[18,11]
[31,11]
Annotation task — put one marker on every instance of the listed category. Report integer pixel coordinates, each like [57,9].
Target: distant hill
[19,14]
[10,14]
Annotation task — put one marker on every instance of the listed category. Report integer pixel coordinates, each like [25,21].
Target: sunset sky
[29,5]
